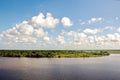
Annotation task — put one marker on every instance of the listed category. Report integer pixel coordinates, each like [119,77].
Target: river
[97,68]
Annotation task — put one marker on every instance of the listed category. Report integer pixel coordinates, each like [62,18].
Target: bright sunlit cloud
[59,26]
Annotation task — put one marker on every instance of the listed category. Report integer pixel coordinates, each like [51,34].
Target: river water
[99,68]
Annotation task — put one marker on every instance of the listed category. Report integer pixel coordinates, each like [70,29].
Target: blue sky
[59,24]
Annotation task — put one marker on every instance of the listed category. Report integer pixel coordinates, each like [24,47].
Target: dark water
[101,68]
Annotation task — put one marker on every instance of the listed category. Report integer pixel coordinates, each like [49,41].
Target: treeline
[114,51]
[51,53]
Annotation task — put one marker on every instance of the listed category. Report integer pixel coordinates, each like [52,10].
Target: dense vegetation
[51,53]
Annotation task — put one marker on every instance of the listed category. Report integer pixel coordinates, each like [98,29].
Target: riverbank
[52,53]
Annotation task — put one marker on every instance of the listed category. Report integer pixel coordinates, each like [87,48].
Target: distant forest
[52,53]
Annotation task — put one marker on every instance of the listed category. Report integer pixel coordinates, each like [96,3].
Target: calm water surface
[100,68]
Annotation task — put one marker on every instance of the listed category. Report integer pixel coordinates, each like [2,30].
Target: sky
[60,24]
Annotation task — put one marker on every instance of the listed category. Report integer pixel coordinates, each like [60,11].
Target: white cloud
[60,39]
[108,28]
[75,37]
[20,33]
[82,22]
[1,36]
[93,20]
[75,34]
[91,42]
[26,32]
[113,37]
[40,32]
[91,39]
[46,38]
[118,29]
[46,22]
[91,31]
[79,38]
[26,39]
[66,22]
[10,32]
[21,29]
[116,18]
[24,28]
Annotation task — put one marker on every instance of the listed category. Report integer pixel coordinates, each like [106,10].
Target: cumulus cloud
[66,22]
[75,37]
[60,39]
[26,32]
[19,29]
[46,38]
[91,31]
[82,22]
[24,28]
[79,38]
[37,30]
[118,29]
[47,21]
[26,39]
[1,36]
[93,20]
[113,37]
[75,34]
[108,28]
[40,32]
[22,32]
[92,41]
[10,32]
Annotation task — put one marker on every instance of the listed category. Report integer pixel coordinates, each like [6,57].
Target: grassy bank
[51,53]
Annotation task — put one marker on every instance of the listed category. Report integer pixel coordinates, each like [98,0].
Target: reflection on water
[100,68]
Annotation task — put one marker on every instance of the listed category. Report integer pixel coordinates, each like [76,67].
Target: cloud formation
[40,32]
[47,21]
[19,30]
[66,22]
[24,29]
[91,31]
[60,39]
[37,32]
[1,36]
[26,39]
[118,29]
[29,31]
[46,38]
[93,20]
